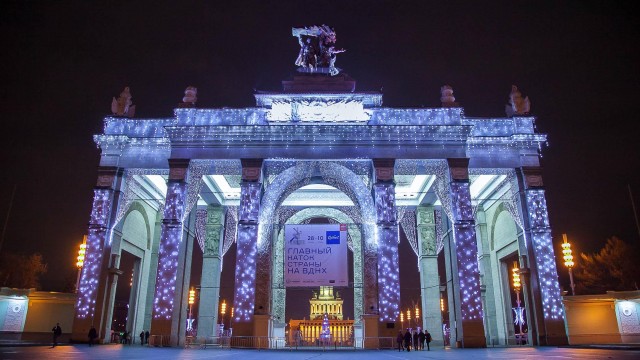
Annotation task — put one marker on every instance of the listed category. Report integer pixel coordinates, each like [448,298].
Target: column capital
[458,169]
[107,176]
[251,169]
[178,169]
[532,177]
[384,169]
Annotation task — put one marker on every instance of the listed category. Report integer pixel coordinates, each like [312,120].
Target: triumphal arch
[467,189]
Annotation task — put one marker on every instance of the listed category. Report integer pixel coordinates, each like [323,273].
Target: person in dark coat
[421,338]
[93,334]
[399,340]
[142,337]
[415,340]
[407,340]
[146,337]
[428,338]
[57,331]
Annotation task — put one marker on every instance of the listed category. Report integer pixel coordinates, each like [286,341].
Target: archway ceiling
[411,190]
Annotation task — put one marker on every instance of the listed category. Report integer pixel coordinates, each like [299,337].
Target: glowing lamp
[223,307]
[566,252]
[417,313]
[516,276]
[192,296]
[81,252]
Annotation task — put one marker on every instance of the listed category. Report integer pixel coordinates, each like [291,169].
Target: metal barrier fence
[265,342]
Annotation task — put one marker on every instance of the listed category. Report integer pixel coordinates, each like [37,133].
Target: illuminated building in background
[326,322]
[463,188]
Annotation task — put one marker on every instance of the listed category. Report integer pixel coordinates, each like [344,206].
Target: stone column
[471,327]
[210,280]
[90,304]
[183,281]
[429,277]
[153,269]
[539,273]
[387,226]
[486,278]
[168,254]
[247,247]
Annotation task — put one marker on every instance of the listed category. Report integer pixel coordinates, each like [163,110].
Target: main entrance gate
[468,188]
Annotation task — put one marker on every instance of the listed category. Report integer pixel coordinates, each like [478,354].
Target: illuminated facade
[322,303]
[467,189]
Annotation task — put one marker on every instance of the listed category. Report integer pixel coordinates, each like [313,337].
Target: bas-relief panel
[629,320]
[15,315]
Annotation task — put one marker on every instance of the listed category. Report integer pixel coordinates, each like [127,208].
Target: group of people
[144,337]
[415,340]
[125,338]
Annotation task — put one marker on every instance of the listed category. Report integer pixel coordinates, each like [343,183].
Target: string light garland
[96,239]
[171,237]
[544,254]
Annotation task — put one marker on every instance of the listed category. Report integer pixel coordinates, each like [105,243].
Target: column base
[472,335]
[245,328]
[556,334]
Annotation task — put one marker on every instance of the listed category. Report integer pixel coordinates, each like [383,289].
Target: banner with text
[315,255]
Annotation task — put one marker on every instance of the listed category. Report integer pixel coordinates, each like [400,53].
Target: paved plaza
[115,352]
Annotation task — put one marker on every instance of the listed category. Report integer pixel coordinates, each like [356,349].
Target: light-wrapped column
[387,227]
[170,239]
[544,254]
[247,242]
[98,226]
[466,254]
[539,274]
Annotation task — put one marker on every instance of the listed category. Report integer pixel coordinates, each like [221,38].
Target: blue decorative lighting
[169,249]
[247,251]
[88,286]
[388,274]
[545,258]
[466,251]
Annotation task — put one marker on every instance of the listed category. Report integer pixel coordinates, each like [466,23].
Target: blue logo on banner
[333,237]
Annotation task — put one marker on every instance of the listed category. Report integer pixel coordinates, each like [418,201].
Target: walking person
[142,337]
[57,331]
[399,340]
[415,340]
[421,338]
[93,334]
[146,337]
[407,340]
[428,338]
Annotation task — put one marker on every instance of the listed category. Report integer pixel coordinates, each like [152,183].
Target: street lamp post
[401,320]
[192,300]
[409,317]
[568,261]
[223,311]
[418,322]
[519,311]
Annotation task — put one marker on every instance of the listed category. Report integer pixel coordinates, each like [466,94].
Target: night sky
[63,61]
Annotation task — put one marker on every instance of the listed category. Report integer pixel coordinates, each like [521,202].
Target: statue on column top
[517,105]
[446,97]
[122,106]
[190,97]
[317,49]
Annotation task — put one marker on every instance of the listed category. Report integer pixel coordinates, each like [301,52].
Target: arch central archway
[278,289]
[286,182]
